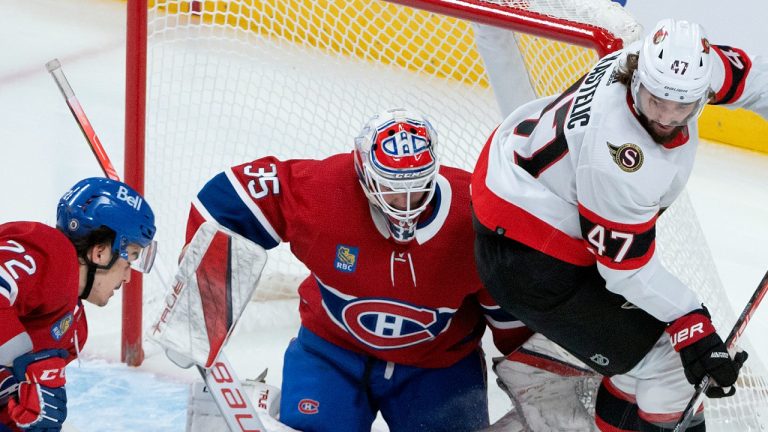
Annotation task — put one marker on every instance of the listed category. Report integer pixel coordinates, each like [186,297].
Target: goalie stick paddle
[227,391]
[733,336]
[234,404]
[54,67]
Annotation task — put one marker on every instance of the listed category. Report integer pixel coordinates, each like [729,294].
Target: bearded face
[661,134]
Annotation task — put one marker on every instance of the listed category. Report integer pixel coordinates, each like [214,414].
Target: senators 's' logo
[627,156]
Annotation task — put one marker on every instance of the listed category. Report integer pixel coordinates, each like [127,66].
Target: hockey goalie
[393,311]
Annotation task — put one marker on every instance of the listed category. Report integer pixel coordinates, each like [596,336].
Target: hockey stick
[733,336]
[54,67]
[227,391]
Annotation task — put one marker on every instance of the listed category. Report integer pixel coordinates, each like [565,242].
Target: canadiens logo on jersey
[346,258]
[383,323]
[60,327]
[628,156]
[309,406]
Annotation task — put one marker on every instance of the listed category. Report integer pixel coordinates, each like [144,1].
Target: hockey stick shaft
[54,67]
[234,404]
[730,341]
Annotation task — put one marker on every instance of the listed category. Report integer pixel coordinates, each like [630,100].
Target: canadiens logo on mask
[404,153]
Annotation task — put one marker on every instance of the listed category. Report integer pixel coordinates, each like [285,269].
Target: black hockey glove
[704,353]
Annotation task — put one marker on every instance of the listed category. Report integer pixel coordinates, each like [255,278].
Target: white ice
[43,153]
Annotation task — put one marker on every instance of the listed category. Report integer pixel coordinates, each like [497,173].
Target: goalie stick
[226,389]
[730,342]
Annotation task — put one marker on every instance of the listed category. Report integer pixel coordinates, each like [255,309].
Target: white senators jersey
[576,176]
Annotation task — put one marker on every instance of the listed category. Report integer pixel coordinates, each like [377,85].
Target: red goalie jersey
[419,303]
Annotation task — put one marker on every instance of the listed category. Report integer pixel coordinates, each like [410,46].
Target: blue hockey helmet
[98,202]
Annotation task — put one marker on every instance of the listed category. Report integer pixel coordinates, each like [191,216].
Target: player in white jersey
[566,194]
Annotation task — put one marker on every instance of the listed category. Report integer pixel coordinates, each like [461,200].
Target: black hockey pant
[569,304]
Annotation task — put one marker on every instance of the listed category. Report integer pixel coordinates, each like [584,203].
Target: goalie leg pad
[203,415]
[549,388]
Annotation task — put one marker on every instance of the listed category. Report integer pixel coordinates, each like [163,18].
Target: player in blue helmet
[104,228]
[97,208]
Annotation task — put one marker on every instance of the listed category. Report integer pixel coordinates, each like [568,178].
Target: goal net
[230,81]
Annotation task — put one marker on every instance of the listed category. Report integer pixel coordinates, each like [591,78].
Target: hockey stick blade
[54,67]
[730,342]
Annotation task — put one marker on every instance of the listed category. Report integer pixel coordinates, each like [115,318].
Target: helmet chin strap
[91,275]
[89,280]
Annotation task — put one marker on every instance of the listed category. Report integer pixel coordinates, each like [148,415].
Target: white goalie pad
[215,281]
[203,415]
[550,389]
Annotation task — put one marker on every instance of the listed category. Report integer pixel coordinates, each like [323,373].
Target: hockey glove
[8,385]
[704,353]
[42,399]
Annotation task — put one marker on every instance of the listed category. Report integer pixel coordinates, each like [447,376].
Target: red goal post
[214,83]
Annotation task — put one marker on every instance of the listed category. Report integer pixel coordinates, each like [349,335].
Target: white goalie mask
[672,82]
[396,164]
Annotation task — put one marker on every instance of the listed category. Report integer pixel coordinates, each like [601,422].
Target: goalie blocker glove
[704,353]
[42,399]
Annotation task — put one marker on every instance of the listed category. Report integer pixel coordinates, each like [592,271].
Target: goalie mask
[100,202]
[396,163]
[672,82]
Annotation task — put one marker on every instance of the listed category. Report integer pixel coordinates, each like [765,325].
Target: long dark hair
[627,69]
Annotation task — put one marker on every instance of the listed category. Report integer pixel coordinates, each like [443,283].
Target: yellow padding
[738,127]
[424,42]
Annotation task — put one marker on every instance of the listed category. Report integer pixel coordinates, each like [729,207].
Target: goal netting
[231,81]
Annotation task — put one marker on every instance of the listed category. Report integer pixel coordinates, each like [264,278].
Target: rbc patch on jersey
[346,258]
[60,327]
